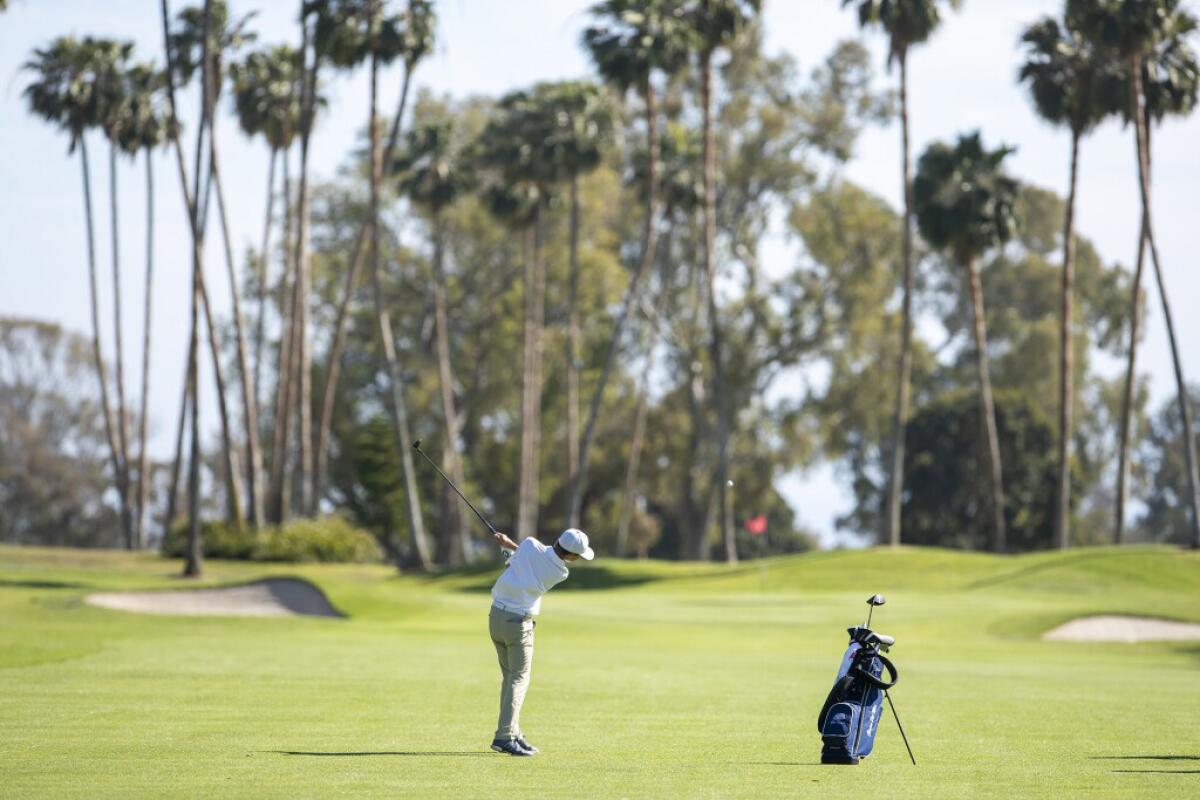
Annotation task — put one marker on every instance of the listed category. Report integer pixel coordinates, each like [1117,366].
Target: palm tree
[432,174]
[347,32]
[267,105]
[629,41]
[715,24]
[964,204]
[583,129]
[111,62]
[1066,79]
[225,37]
[143,128]
[416,41]
[515,147]
[1135,34]
[906,23]
[66,92]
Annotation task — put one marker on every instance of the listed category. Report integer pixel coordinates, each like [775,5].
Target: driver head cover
[574,540]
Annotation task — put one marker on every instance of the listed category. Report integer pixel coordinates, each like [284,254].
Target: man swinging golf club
[533,569]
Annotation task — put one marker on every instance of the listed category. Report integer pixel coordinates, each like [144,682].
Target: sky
[962,80]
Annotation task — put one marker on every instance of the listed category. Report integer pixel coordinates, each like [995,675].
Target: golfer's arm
[504,542]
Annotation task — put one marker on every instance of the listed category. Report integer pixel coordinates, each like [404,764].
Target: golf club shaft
[898,725]
[482,518]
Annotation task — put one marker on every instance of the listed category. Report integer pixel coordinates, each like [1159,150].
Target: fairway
[649,680]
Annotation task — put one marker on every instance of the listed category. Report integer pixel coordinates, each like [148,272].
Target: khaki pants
[512,634]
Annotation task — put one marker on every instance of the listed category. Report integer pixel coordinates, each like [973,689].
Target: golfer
[533,569]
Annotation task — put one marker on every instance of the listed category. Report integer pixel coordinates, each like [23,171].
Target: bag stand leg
[892,706]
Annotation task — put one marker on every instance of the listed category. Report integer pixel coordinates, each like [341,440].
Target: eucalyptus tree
[964,205]
[1137,35]
[906,23]
[630,42]
[66,92]
[413,31]
[143,129]
[515,148]
[432,171]
[1067,80]
[267,104]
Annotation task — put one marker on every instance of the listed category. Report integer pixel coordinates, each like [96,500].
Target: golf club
[417,447]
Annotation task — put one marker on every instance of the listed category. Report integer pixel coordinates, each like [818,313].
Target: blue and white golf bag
[850,718]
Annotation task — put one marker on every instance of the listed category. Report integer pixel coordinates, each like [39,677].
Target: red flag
[756,526]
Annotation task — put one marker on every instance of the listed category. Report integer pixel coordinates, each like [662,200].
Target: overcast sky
[962,80]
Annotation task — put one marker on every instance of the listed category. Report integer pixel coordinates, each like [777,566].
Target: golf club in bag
[849,720]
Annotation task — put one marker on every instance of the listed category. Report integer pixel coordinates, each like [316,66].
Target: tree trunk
[456,533]
[122,407]
[987,406]
[573,340]
[234,504]
[632,294]
[633,464]
[284,371]
[721,400]
[531,390]
[333,367]
[416,526]
[173,487]
[900,418]
[143,485]
[249,400]
[1066,360]
[97,353]
[1185,413]
[304,401]
[1135,319]
[264,261]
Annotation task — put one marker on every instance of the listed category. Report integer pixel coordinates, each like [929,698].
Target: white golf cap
[575,541]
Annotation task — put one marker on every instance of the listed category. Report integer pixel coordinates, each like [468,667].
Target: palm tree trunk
[1185,413]
[633,464]
[264,261]
[573,339]
[720,393]
[122,408]
[1135,320]
[249,401]
[283,371]
[531,391]
[1066,360]
[233,489]
[304,400]
[97,354]
[457,532]
[632,294]
[333,367]
[416,526]
[143,485]
[173,487]
[987,406]
[900,418]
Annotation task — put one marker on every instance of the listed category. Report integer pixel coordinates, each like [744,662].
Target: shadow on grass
[382,753]
[9,584]
[1161,771]
[1146,758]
[779,763]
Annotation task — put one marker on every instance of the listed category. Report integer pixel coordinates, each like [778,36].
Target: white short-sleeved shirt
[533,569]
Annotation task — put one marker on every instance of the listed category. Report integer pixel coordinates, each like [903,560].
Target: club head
[876,600]
[417,444]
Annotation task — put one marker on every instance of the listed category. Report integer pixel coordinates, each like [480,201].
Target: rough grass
[650,680]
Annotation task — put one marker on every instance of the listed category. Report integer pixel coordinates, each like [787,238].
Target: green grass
[650,680]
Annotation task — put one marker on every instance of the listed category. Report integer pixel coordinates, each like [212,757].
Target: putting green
[650,680]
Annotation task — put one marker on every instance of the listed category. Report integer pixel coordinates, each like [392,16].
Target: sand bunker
[272,597]
[1124,629]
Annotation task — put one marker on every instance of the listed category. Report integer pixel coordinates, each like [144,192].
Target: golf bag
[849,720]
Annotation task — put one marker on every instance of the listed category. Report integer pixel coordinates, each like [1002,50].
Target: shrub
[330,539]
